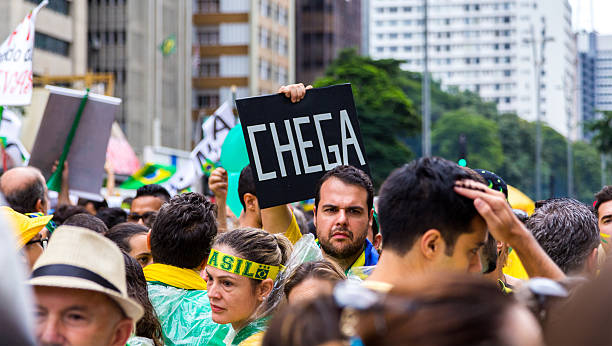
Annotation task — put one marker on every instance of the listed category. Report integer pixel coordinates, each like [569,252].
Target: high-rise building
[587,58]
[324,27]
[242,45]
[146,44]
[486,47]
[61,40]
[603,73]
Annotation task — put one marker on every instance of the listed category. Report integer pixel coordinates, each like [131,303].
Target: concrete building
[125,38]
[603,73]
[485,47]
[595,72]
[587,58]
[61,34]
[324,27]
[242,44]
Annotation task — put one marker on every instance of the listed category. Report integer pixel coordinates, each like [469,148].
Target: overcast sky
[601,11]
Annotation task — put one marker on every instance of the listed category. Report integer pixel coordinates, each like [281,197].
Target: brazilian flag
[168,46]
[149,174]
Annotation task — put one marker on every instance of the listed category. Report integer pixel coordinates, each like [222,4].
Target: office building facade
[486,47]
[324,28]
[240,48]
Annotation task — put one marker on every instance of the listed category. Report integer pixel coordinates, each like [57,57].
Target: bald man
[25,190]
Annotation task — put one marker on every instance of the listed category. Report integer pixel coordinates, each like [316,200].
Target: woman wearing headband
[241,271]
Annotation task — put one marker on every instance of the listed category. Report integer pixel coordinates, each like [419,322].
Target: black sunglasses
[42,241]
[146,216]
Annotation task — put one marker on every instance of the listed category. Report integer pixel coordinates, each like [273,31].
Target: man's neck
[249,220]
[392,267]
[347,262]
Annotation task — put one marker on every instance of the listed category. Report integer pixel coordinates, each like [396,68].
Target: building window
[208,6]
[207,101]
[208,68]
[208,35]
[51,44]
[61,6]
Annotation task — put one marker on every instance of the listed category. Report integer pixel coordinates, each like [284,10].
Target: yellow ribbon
[188,279]
[241,266]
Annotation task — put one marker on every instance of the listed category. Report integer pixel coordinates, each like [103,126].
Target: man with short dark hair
[146,204]
[567,230]
[603,211]
[343,214]
[434,217]
[25,190]
[88,221]
[180,241]
[251,215]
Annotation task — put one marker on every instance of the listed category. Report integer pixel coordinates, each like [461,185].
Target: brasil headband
[242,266]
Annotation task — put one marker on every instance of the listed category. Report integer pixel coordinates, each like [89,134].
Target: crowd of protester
[420,262]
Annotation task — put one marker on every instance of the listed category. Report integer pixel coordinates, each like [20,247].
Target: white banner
[16,62]
[215,128]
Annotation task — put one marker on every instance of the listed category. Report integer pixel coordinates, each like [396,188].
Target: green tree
[484,149]
[603,132]
[386,115]
[587,174]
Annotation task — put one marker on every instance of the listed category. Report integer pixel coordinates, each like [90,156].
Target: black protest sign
[292,145]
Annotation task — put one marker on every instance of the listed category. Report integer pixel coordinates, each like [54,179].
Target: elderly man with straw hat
[81,292]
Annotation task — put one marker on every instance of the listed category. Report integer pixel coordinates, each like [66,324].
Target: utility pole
[538,61]
[425,90]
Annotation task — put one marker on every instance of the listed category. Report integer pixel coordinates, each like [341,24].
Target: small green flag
[168,46]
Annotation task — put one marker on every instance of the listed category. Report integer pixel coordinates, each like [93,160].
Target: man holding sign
[312,146]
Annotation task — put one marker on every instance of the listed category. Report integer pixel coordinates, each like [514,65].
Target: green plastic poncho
[185,316]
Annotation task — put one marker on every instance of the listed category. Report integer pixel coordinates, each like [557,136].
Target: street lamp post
[425,90]
[538,61]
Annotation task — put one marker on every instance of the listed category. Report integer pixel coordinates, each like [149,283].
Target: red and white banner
[16,62]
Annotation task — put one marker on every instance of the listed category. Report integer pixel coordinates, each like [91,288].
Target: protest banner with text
[16,62]
[291,145]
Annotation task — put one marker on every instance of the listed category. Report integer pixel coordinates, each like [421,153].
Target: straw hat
[24,227]
[80,258]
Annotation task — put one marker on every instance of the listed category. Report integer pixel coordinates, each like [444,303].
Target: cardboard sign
[291,145]
[88,150]
[16,62]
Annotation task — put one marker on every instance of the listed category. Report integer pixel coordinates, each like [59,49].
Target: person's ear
[264,289]
[123,331]
[149,239]
[371,217]
[40,206]
[431,244]
[249,201]
[591,262]
[378,242]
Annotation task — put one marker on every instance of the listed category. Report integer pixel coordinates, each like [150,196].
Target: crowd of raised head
[423,260]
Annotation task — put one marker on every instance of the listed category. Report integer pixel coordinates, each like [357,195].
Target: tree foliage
[603,132]
[386,115]
[388,102]
[483,143]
